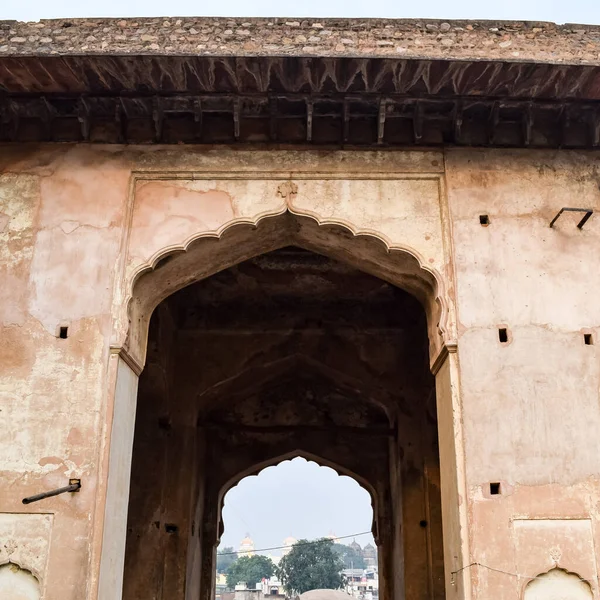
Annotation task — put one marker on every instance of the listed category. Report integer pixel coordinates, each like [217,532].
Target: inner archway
[297,502]
[286,353]
[296,497]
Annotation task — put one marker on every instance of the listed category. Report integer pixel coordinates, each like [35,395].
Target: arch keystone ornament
[287,190]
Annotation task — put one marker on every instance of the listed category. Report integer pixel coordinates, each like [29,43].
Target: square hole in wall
[588,339]
[503,335]
[63,332]
[495,488]
[484,220]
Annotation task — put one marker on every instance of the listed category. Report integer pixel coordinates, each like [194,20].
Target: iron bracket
[74,486]
[588,213]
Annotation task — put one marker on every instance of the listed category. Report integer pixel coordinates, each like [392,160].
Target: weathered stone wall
[530,410]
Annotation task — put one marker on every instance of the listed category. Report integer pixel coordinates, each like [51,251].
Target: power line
[518,575]
[319,541]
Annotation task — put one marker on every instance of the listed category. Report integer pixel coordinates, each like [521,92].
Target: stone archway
[206,258]
[208,254]
[17,583]
[298,494]
[557,584]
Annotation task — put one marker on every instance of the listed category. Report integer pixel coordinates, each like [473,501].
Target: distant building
[246,547]
[356,546]
[273,557]
[362,583]
[267,587]
[287,545]
[369,553]
[273,587]
[332,537]
[243,592]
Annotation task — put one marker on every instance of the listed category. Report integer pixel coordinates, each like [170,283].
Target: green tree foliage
[225,558]
[311,566]
[352,558]
[250,569]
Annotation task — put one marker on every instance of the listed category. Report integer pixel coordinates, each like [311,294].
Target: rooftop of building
[514,41]
[328,82]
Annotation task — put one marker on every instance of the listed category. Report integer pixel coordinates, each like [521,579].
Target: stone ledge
[401,38]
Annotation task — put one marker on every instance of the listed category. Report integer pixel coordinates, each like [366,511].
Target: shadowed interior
[289,353]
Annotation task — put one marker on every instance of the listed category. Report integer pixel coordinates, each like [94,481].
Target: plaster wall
[530,406]
[79,223]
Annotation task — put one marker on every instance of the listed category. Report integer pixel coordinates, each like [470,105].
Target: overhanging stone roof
[326,81]
[368,38]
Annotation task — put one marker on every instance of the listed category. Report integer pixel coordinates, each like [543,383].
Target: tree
[225,558]
[250,569]
[352,558]
[311,566]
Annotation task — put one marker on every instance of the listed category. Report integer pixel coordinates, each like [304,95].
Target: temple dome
[246,546]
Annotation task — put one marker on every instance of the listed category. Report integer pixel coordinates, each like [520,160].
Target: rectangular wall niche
[573,538]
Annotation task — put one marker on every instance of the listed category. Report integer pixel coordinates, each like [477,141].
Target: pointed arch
[18,583]
[257,469]
[556,584]
[206,254]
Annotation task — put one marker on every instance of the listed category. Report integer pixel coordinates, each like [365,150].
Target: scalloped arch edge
[151,264]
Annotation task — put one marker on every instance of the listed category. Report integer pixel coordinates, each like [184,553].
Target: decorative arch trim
[163,274]
[168,251]
[257,469]
[30,570]
[558,571]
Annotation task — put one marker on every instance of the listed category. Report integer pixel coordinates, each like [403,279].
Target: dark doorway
[289,353]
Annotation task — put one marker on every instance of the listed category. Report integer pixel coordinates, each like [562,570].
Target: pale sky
[559,11]
[297,498]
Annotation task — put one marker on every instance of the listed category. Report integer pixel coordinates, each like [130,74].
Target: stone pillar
[452,477]
[119,476]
